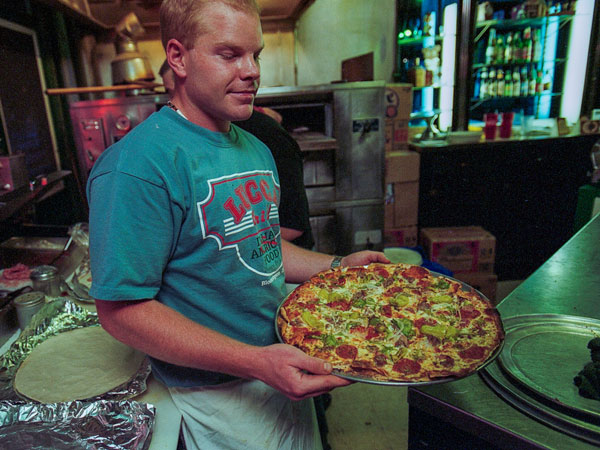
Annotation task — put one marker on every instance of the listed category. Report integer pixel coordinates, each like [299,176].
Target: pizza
[391,322]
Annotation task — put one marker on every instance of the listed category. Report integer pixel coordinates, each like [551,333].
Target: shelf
[518,64]
[511,24]
[420,88]
[478,101]
[313,141]
[418,41]
[424,114]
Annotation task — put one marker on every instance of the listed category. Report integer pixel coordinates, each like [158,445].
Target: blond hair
[182,19]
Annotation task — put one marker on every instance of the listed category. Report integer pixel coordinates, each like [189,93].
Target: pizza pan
[544,352]
[491,358]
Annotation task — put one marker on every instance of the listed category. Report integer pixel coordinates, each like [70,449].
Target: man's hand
[295,374]
[363,258]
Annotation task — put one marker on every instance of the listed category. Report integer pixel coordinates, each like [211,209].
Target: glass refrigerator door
[532,66]
[426,56]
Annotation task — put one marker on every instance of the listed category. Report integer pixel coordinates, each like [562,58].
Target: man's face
[222,70]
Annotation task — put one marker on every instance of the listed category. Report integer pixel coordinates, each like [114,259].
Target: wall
[328,32]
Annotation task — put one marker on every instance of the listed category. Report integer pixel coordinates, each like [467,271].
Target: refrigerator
[526,57]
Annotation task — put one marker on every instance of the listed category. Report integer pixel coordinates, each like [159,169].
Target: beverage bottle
[547,82]
[516,83]
[517,48]
[492,83]
[532,81]
[419,73]
[483,86]
[527,46]
[508,49]
[490,51]
[499,50]
[539,85]
[477,85]
[537,45]
[524,82]
[508,84]
[500,85]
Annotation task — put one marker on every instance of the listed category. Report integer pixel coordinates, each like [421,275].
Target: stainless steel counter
[568,283]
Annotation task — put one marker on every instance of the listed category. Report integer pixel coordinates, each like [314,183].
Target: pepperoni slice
[372,333]
[346,351]
[386,310]
[406,366]
[340,304]
[469,313]
[474,352]
[417,272]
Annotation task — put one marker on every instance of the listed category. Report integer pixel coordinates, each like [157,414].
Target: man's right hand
[295,374]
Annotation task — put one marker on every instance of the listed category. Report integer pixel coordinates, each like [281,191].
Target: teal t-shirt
[189,217]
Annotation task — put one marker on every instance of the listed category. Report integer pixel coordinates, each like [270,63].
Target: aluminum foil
[56,317]
[110,425]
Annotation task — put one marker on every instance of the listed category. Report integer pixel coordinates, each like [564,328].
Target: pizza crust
[76,365]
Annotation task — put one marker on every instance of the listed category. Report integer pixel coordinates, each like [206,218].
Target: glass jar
[27,305]
[46,279]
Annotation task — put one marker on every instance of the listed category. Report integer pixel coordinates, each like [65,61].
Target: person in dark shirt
[293,206]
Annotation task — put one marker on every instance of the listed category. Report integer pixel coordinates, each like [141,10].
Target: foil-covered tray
[465,287]
[111,425]
[56,317]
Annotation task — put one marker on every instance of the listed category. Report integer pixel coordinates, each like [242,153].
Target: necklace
[172,106]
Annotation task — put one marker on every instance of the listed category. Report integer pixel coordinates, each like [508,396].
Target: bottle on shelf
[508,49]
[527,46]
[492,86]
[417,74]
[537,46]
[524,82]
[517,52]
[500,85]
[477,85]
[499,50]
[490,50]
[532,81]
[547,81]
[508,84]
[539,84]
[516,82]
[483,85]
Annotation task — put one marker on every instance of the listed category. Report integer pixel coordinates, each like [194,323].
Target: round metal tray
[542,354]
[492,357]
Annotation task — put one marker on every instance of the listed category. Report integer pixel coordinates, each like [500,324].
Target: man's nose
[250,68]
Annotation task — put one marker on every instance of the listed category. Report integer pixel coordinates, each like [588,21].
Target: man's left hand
[363,258]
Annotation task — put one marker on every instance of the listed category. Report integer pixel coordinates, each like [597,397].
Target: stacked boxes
[401,198]
[469,252]
[398,106]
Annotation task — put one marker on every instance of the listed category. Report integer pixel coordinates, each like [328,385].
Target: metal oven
[339,128]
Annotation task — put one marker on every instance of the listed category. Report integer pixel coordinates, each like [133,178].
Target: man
[187,262]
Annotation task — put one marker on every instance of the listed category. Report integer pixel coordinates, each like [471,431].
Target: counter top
[568,283]
[433,145]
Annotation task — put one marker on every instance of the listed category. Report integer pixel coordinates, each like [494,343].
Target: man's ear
[176,54]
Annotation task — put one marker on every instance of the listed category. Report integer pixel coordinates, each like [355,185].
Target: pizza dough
[76,365]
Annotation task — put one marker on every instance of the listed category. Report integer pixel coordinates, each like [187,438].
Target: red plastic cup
[490,118]
[506,125]
[489,131]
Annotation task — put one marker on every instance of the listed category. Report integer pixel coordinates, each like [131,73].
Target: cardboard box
[460,249]
[401,204]
[402,166]
[398,106]
[485,283]
[400,237]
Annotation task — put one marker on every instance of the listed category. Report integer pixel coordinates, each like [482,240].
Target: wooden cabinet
[523,192]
